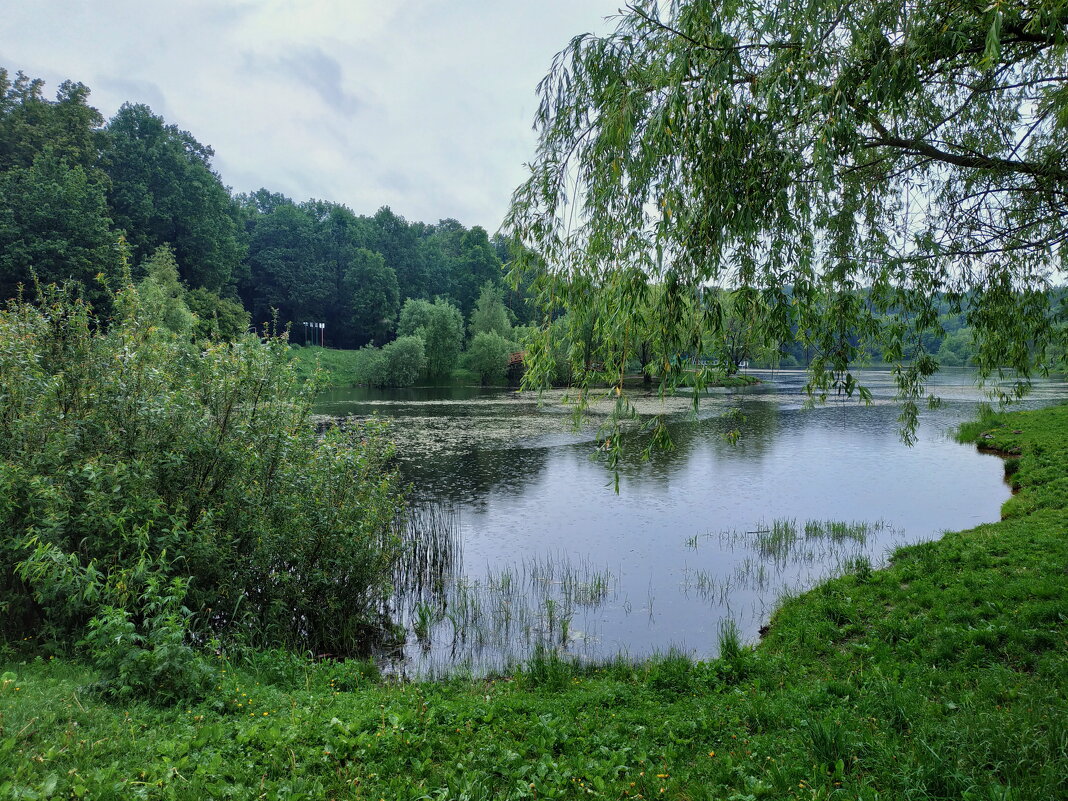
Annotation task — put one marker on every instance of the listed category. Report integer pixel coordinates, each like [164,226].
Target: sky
[425,106]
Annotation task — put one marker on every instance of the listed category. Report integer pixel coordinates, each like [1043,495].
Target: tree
[162,295]
[743,320]
[163,191]
[217,317]
[488,356]
[851,165]
[29,124]
[490,313]
[405,361]
[283,274]
[441,326]
[54,223]
[477,263]
[373,299]
[393,237]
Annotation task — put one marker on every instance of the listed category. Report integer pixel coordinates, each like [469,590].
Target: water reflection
[528,489]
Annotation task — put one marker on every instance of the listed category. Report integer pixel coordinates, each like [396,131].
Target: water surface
[552,554]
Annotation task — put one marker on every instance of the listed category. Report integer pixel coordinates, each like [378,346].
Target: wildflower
[711,753]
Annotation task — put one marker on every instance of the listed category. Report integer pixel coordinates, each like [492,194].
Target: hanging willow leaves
[848,166]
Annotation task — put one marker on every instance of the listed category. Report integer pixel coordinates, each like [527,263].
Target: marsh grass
[493,621]
[783,558]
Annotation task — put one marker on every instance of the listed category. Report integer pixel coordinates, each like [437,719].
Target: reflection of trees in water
[756,422]
[471,475]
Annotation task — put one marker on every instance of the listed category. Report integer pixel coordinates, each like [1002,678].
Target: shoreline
[942,675]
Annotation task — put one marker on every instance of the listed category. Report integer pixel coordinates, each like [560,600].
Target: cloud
[136,91]
[422,105]
[310,68]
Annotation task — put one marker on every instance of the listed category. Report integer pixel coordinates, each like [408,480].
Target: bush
[156,662]
[441,327]
[217,318]
[488,356]
[398,364]
[129,455]
[405,361]
[371,367]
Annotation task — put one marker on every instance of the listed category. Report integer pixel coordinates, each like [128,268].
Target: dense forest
[72,182]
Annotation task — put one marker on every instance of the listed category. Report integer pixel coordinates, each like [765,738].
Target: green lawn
[338,366]
[943,676]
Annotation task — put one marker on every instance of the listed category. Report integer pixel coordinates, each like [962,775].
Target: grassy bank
[339,367]
[943,676]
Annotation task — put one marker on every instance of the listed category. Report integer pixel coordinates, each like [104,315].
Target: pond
[539,550]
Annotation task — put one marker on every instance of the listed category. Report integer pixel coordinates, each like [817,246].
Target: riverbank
[943,676]
[339,369]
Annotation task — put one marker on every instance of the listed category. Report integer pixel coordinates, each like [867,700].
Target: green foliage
[373,296]
[216,318]
[405,361]
[399,364]
[848,172]
[490,314]
[30,125]
[488,356]
[162,295]
[163,191]
[155,660]
[54,223]
[371,367]
[132,445]
[441,326]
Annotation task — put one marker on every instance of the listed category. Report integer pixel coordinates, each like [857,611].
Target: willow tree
[853,163]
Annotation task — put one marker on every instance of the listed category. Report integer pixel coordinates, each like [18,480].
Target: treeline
[72,183]
[951,341]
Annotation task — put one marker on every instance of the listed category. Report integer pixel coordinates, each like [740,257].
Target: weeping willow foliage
[846,166]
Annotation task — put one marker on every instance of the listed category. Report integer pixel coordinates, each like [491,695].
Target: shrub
[441,327]
[405,361]
[371,367]
[154,660]
[398,364]
[488,356]
[126,445]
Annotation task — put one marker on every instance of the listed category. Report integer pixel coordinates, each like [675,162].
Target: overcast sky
[422,105]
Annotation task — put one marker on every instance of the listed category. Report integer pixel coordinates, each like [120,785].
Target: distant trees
[401,363]
[163,190]
[441,326]
[54,218]
[490,314]
[372,295]
[54,223]
[488,356]
[71,186]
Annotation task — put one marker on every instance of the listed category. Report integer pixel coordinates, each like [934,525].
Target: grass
[944,675]
[339,366]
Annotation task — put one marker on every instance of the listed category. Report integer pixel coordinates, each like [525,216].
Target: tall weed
[123,443]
